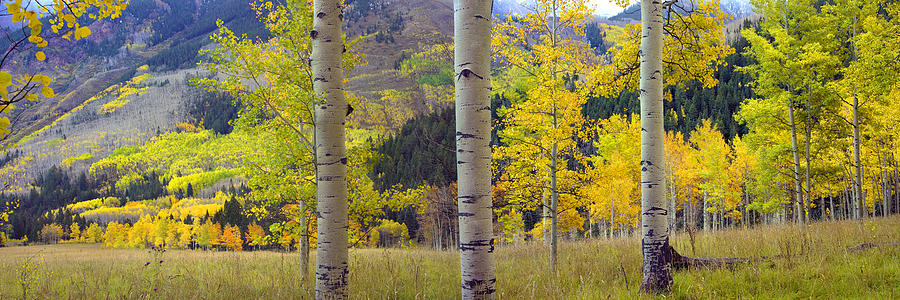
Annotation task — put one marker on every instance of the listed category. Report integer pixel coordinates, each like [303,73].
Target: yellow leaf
[68,18]
[43,79]
[47,92]
[5,80]
[40,56]
[82,32]
[4,126]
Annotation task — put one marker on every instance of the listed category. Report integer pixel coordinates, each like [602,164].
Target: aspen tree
[657,269]
[472,68]
[331,155]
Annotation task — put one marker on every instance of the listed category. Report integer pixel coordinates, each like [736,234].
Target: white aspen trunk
[472,66]
[304,244]
[612,219]
[705,213]
[896,188]
[798,196]
[554,192]
[885,209]
[858,181]
[657,256]
[805,211]
[831,205]
[849,208]
[852,200]
[745,217]
[874,195]
[685,210]
[545,216]
[554,204]
[331,155]
[672,208]
[590,228]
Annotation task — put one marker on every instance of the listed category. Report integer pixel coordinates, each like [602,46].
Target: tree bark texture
[859,198]
[304,244]
[657,269]
[472,67]
[798,186]
[331,155]
[554,204]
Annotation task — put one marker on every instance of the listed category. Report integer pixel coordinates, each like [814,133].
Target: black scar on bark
[467,199]
[322,79]
[645,164]
[471,246]
[466,73]
[460,134]
[472,284]
[313,34]
[320,15]
[465,214]
[481,17]
[328,269]
[656,211]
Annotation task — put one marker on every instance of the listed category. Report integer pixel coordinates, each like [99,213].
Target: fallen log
[685,262]
[866,246]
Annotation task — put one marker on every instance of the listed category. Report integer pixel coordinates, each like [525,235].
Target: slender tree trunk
[554,191]
[472,66]
[326,60]
[896,188]
[673,212]
[657,258]
[612,219]
[849,207]
[685,210]
[831,205]
[798,196]
[554,205]
[885,187]
[853,200]
[744,216]
[706,221]
[590,229]
[809,126]
[304,244]
[545,216]
[859,197]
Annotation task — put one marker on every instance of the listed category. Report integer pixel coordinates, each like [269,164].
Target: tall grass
[808,262]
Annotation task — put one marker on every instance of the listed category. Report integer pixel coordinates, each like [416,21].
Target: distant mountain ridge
[737,9]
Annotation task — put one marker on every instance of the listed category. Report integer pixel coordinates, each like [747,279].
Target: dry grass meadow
[814,263]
